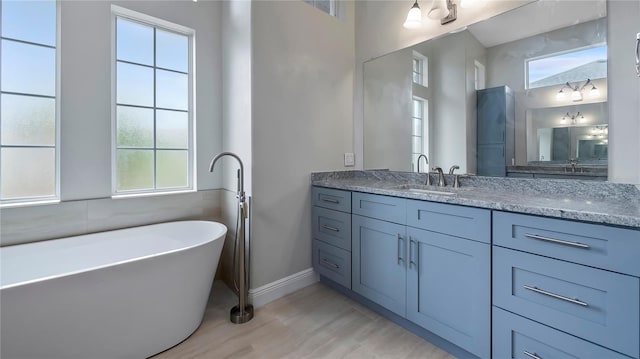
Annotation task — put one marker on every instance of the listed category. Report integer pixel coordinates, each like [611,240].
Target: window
[328,6]
[28,101]
[420,69]
[570,66]
[153,106]
[419,133]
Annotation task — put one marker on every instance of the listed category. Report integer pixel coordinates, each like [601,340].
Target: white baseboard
[278,289]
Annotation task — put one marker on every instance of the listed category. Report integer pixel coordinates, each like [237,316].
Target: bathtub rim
[120,262]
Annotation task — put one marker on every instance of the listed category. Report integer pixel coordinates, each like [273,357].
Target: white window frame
[147,20]
[55,198]
[423,71]
[526,62]
[480,74]
[333,7]
[425,129]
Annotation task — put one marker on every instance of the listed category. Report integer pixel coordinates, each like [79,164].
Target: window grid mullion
[28,42]
[155,111]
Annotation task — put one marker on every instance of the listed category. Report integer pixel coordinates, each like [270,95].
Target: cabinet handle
[326,261]
[411,261]
[330,228]
[557,296]
[531,355]
[400,259]
[559,241]
[330,200]
[638,54]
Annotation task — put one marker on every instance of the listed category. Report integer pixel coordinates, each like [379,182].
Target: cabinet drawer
[332,262]
[593,304]
[459,221]
[517,337]
[600,246]
[391,209]
[332,227]
[331,198]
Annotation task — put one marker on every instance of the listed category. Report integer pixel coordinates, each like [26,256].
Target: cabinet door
[491,107]
[378,262]
[491,160]
[448,288]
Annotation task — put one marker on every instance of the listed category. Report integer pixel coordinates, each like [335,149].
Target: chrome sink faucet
[441,180]
[453,168]
[428,181]
[456,180]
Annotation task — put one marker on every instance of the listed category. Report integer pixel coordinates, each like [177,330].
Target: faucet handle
[453,168]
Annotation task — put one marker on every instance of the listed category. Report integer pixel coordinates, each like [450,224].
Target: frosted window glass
[172,90]
[172,129]
[135,170]
[135,85]
[417,127]
[173,167]
[28,120]
[416,145]
[172,51]
[134,42]
[28,68]
[19,17]
[135,127]
[28,172]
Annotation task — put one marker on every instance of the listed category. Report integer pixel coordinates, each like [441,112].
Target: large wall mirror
[547,63]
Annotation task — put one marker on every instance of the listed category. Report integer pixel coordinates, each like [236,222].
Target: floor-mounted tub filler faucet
[428,181]
[243,312]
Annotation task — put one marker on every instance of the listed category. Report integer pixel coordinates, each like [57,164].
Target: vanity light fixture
[573,118]
[414,17]
[443,10]
[576,91]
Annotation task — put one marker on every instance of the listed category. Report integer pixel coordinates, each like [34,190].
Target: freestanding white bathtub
[127,293]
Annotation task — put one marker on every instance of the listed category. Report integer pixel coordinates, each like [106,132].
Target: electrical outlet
[349,159]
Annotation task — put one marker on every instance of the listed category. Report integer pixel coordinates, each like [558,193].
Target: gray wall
[387,108]
[302,106]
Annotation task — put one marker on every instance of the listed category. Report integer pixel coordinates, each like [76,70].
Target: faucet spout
[428,181]
[442,182]
[240,174]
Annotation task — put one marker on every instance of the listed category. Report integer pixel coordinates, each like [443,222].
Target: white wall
[85,104]
[302,95]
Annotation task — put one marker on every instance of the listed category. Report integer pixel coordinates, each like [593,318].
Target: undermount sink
[426,189]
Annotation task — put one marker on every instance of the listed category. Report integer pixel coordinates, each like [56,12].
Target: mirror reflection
[496,98]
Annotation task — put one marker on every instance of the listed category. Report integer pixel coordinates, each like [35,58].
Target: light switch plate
[349,159]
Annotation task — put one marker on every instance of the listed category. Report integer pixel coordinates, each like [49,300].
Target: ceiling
[542,15]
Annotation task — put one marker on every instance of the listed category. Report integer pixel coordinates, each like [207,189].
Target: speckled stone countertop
[591,201]
[579,171]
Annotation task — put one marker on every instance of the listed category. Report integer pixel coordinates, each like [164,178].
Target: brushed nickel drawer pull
[531,355]
[557,296]
[330,200]
[559,241]
[330,263]
[330,228]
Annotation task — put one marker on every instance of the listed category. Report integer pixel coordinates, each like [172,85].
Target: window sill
[151,194]
[29,203]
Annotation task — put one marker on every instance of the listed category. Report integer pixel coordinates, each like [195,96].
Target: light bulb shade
[594,92]
[576,95]
[560,95]
[438,10]
[414,17]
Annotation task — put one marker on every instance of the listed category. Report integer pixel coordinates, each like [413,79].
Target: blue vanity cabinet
[379,262]
[331,230]
[449,273]
[578,278]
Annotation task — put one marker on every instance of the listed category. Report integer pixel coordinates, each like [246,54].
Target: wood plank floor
[314,322]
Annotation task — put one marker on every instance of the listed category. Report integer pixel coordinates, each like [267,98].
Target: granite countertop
[590,201]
